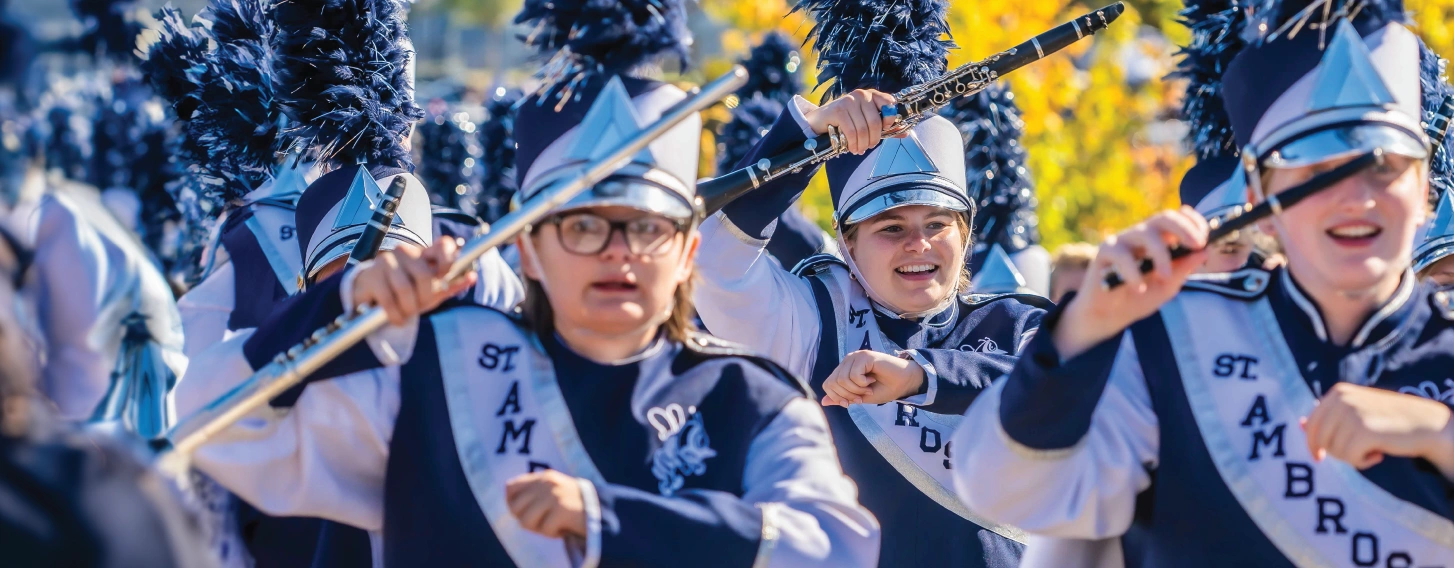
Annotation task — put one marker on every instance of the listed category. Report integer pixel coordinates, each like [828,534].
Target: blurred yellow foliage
[1095,167]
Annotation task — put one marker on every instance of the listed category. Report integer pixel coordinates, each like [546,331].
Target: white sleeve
[745,296]
[206,309]
[1086,491]
[74,272]
[810,510]
[498,287]
[324,457]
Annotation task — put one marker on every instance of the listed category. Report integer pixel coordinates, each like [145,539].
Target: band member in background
[68,498]
[889,322]
[1432,257]
[1296,408]
[598,429]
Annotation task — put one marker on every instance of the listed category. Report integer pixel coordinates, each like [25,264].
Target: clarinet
[914,105]
[372,237]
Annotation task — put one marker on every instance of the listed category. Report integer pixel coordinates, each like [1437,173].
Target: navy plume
[1216,38]
[497,159]
[1268,20]
[340,70]
[239,130]
[750,122]
[238,20]
[882,44]
[173,64]
[772,69]
[995,167]
[590,37]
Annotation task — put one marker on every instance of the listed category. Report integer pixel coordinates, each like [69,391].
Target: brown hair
[850,232]
[538,314]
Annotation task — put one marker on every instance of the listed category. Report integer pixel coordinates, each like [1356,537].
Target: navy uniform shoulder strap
[977,300]
[704,347]
[1246,284]
[818,262]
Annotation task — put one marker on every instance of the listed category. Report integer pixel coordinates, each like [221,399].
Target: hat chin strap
[877,299]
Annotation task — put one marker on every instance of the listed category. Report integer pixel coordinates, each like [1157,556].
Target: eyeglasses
[587,234]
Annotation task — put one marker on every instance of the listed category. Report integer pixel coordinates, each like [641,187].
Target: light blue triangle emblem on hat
[1443,225]
[901,156]
[611,119]
[358,204]
[998,275]
[1346,77]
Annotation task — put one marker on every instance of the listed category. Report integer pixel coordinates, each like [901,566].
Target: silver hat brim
[344,248]
[905,197]
[1431,252]
[639,195]
[1344,142]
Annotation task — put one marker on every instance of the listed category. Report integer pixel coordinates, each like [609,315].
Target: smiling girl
[887,335]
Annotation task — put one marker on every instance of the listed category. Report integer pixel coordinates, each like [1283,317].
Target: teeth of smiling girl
[913,268]
[1354,231]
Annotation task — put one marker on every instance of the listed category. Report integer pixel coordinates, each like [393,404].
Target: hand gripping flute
[300,361]
[914,104]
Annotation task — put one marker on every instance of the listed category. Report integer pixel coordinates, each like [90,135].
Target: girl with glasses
[596,427]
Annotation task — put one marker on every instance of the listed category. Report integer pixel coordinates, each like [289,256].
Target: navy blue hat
[336,208]
[889,46]
[1325,79]
[590,101]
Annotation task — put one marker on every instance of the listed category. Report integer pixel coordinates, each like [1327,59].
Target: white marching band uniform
[326,453]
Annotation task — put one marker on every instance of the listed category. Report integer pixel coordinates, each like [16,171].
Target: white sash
[509,418]
[1247,395]
[919,452]
[268,225]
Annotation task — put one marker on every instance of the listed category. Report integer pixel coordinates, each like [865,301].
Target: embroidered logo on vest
[685,446]
[1429,390]
[985,345]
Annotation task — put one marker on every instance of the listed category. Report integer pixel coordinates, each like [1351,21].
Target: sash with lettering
[901,444]
[509,418]
[1249,421]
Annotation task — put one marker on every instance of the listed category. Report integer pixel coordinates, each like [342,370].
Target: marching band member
[1294,409]
[889,322]
[72,499]
[598,430]
[1216,187]
[1431,258]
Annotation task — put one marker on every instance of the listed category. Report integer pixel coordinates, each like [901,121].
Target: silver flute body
[290,368]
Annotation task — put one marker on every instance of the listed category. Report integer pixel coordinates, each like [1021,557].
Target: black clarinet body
[914,104]
[372,237]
